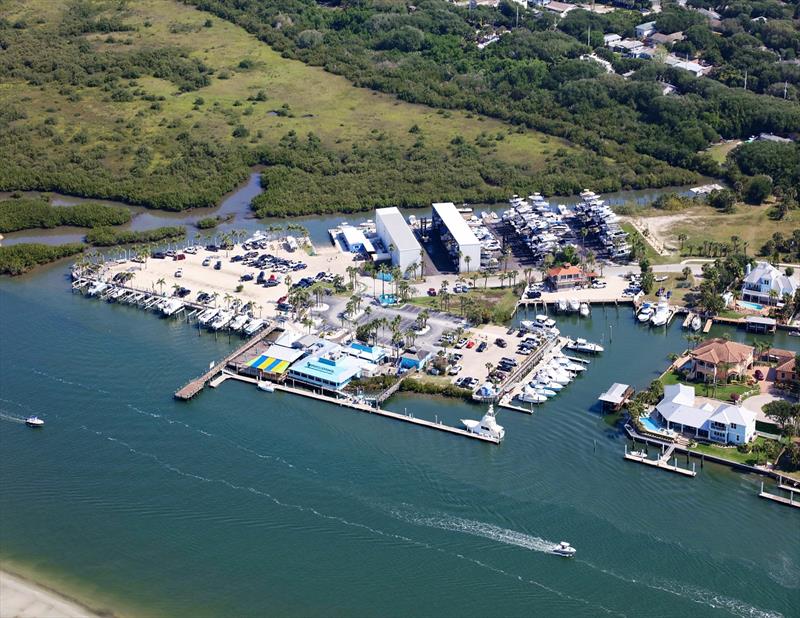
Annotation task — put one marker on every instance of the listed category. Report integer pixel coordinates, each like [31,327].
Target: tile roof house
[759,281]
[725,423]
[785,365]
[565,277]
[721,359]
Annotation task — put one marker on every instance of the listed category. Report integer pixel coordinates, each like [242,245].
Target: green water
[243,503]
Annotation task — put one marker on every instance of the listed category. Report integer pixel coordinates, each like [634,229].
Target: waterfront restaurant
[566,277]
[331,371]
[725,423]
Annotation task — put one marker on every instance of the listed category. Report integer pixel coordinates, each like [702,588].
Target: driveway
[756,402]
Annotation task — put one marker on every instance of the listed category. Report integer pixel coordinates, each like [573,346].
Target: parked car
[246,277]
[431,292]
[758,375]
[179,273]
[461,343]
[470,344]
[218,265]
[482,346]
[206,261]
[454,369]
[500,343]
[179,256]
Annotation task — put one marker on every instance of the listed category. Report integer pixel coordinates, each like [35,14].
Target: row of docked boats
[573,306]
[551,379]
[656,314]
[234,319]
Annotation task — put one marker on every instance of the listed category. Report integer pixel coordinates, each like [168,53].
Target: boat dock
[363,407]
[709,323]
[790,501]
[195,386]
[522,374]
[662,462]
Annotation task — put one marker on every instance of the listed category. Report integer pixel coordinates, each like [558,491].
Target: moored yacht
[581,345]
[530,395]
[486,427]
[645,312]
[696,323]
[584,310]
[573,305]
[661,315]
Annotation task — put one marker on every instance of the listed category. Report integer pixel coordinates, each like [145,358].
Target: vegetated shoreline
[21,591]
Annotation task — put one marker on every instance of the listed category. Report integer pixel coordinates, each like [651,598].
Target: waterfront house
[721,360]
[566,277]
[724,423]
[759,281]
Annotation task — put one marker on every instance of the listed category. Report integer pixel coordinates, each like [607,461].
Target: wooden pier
[662,462]
[709,323]
[790,501]
[363,407]
[195,386]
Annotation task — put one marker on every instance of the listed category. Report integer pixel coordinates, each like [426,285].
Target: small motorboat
[573,305]
[486,427]
[562,305]
[34,421]
[564,549]
[696,323]
[266,386]
[584,310]
[529,395]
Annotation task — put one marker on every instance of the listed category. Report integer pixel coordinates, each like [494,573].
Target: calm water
[242,503]
[236,205]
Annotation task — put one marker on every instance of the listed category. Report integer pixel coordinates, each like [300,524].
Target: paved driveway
[755,403]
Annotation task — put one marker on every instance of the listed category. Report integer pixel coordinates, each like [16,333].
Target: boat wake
[86,387]
[352,524]
[208,434]
[481,529]
[693,593]
[9,418]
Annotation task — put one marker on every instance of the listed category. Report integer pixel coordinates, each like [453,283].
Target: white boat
[207,315]
[541,388]
[221,321]
[542,321]
[34,421]
[696,324]
[564,549]
[645,313]
[584,310]
[581,345]
[267,387]
[562,304]
[543,380]
[487,426]
[661,315]
[573,305]
[568,365]
[253,326]
[529,395]
[172,306]
[486,392]
[238,322]
[97,288]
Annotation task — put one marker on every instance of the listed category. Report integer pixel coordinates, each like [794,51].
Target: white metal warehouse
[397,237]
[457,236]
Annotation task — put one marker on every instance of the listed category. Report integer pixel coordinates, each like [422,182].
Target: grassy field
[750,223]
[719,152]
[328,105]
[503,300]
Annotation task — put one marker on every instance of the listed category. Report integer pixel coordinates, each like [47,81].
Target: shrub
[17,259]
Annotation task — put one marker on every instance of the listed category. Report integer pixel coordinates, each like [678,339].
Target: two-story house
[566,277]
[720,359]
[725,423]
[763,278]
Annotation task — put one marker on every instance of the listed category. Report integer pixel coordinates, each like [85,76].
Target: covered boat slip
[268,364]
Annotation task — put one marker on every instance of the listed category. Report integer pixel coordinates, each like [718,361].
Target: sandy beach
[20,598]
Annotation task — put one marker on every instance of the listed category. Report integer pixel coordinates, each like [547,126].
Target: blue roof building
[331,371]
[373,354]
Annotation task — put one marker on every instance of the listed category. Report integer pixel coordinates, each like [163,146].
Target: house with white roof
[759,281]
[725,423]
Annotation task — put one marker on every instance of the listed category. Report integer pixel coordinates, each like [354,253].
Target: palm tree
[502,279]
[423,316]
[489,367]
[175,288]
[227,298]
[506,255]
[485,274]
[527,272]
[161,283]
[288,281]
[215,295]
[467,260]
[422,263]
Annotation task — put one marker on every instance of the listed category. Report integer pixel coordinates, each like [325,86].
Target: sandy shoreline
[22,598]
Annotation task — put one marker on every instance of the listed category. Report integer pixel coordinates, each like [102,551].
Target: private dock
[363,407]
[662,462]
[790,501]
[708,325]
[195,386]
